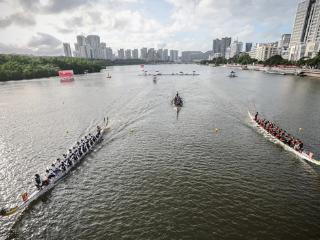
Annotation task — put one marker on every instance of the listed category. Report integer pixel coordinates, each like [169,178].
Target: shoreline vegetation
[275,65]
[245,59]
[22,67]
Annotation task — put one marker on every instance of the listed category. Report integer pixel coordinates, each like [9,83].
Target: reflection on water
[162,173]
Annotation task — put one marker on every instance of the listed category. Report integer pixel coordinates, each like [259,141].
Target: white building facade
[235,48]
[305,37]
[265,51]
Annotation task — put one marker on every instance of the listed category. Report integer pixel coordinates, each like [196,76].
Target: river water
[157,175]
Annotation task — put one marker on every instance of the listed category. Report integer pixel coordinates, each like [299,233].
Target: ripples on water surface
[156,176]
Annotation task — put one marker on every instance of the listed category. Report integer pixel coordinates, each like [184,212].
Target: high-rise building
[109,54]
[220,46]
[305,38]
[248,47]
[121,53]
[91,47]
[284,46]
[81,40]
[159,54]
[225,43]
[127,54]
[265,51]
[285,40]
[235,48]
[67,50]
[144,53]
[102,53]
[253,51]
[192,56]
[135,54]
[151,54]
[228,53]
[174,55]
[94,43]
[216,46]
[165,56]
[82,50]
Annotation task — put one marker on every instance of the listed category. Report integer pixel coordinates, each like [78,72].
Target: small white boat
[29,198]
[270,137]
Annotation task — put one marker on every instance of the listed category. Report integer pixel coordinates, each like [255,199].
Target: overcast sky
[40,26]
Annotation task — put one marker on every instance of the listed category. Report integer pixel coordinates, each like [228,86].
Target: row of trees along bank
[245,59]
[17,67]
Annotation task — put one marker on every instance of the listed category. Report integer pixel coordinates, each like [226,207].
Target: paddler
[50,174]
[256,116]
[98,131]
[54,169]
[176,98]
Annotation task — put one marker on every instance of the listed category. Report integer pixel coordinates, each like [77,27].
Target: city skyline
[93,47]
[40,27]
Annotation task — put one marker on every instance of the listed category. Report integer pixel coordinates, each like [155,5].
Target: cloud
[44,40]
[20,19]
[181,24]
[56,6]
[59,6]
[14,49]
[44,44]
[233,17]
[9,48]
[75,22]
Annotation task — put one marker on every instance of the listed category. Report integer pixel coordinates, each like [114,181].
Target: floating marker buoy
[300,129]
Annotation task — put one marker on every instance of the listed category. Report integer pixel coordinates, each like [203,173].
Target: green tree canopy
[16,67]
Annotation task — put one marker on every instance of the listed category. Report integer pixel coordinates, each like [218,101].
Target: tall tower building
[81,40]
[94,42]
[165,56]
[135,54]
[305,36]
[144,53]
[248,47]
[121,53]
[235,48]
[284,46]
[220,46]
[159,54]
[82,50]
[67,50]
[128,54]
[151,54]
[216,46]
[109,54]
[174,55]
[225,43]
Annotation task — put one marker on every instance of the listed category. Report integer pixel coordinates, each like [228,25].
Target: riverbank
[279,70]
[23,67]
